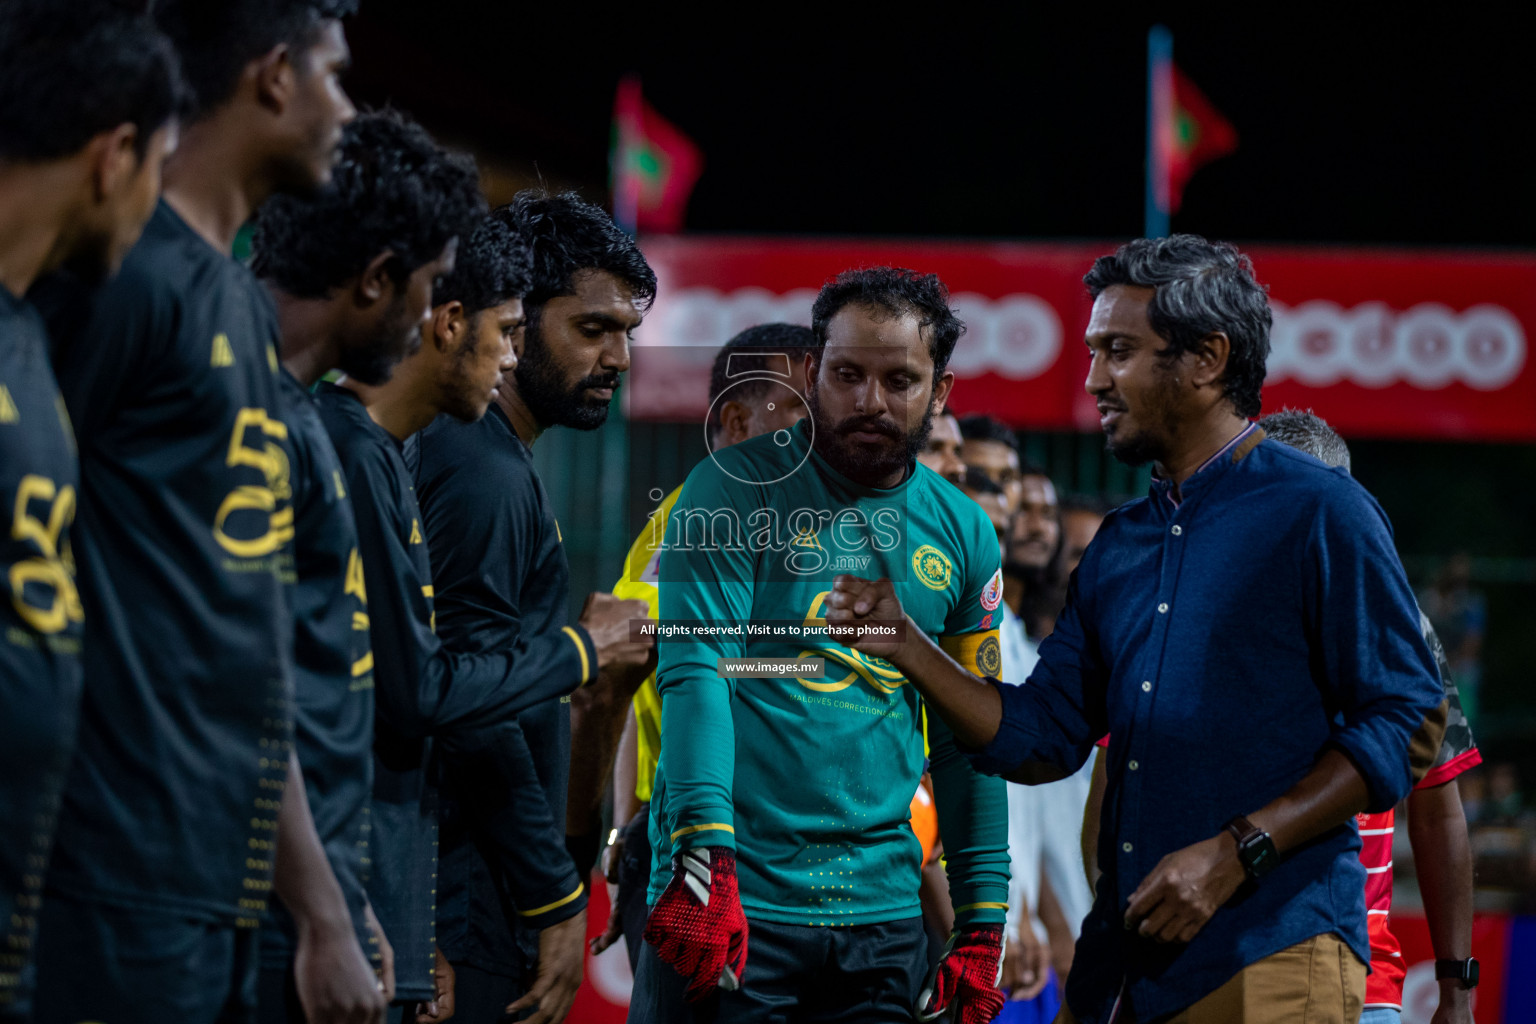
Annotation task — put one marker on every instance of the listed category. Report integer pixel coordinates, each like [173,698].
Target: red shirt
[1384,987]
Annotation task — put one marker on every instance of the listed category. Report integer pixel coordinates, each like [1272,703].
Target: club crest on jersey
[992,594]
[989,657]
[932,567]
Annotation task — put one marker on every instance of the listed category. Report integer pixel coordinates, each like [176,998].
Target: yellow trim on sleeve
[562,901]
[586,663]
[714,827]
[981,906]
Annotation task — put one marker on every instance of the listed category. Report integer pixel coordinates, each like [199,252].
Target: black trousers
[634,877]
[480,997]
[864,974]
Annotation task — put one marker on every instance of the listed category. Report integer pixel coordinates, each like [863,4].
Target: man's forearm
[1442,856]
[1328,796]
[302,874]
[698,737]
[598,713]
[626,804]
[970,707]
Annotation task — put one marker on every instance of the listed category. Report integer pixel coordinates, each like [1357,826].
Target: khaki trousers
[1319,981]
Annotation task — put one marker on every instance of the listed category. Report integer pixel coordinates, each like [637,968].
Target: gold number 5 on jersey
[46,570]
[254,443]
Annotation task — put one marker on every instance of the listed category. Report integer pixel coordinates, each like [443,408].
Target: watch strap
[1465,971]
[1242,830]
[1255,849]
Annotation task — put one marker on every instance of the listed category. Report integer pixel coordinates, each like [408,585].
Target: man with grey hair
[1232,898]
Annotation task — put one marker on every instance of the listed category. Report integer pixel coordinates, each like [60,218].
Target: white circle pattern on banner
[1429,346]
[1317,343]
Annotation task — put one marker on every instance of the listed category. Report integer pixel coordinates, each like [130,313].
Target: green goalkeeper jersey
[810,777]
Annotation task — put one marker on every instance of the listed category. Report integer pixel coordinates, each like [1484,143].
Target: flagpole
[626,181]
[1159,99]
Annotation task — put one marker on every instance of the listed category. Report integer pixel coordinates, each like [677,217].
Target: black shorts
[96,962]
[863,974]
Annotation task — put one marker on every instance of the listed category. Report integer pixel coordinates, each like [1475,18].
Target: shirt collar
[1240,440]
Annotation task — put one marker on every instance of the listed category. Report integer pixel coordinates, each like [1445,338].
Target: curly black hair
[747,353]
[1199,288]
[69,71]
[981,427]
[898,292]
[394,189]
[493,266]
[218,38]
[566,235]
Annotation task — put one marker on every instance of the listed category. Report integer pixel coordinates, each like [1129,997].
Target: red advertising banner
[1381,343]
[1491,946]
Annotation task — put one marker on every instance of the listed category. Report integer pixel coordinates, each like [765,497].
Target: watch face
[1259,855]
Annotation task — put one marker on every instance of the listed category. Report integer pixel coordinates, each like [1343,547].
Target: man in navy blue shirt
[1247,624]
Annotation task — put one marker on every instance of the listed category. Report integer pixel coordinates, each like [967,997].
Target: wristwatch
[1464,971]
[1255,848]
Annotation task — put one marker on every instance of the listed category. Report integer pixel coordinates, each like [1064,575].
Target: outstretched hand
[866,615]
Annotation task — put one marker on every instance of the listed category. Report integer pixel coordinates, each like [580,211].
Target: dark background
[972,121]
[1401,129]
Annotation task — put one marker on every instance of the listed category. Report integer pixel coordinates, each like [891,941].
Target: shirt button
[1126,847]
[1178,531]
[1163,608]
[1134,765]
[1146,687]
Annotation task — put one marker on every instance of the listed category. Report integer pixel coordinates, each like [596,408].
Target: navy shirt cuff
[1385,783]
[1002,754]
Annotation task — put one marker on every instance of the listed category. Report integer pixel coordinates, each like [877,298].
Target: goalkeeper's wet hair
[896,292]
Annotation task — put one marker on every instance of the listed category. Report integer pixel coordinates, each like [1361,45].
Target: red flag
[654,165]
[1190,133]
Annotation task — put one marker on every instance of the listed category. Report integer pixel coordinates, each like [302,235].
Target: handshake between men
[1172,903]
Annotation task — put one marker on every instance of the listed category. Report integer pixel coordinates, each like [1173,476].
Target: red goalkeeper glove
[963,986]
[697,925]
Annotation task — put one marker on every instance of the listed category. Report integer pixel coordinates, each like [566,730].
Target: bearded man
[780,805]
